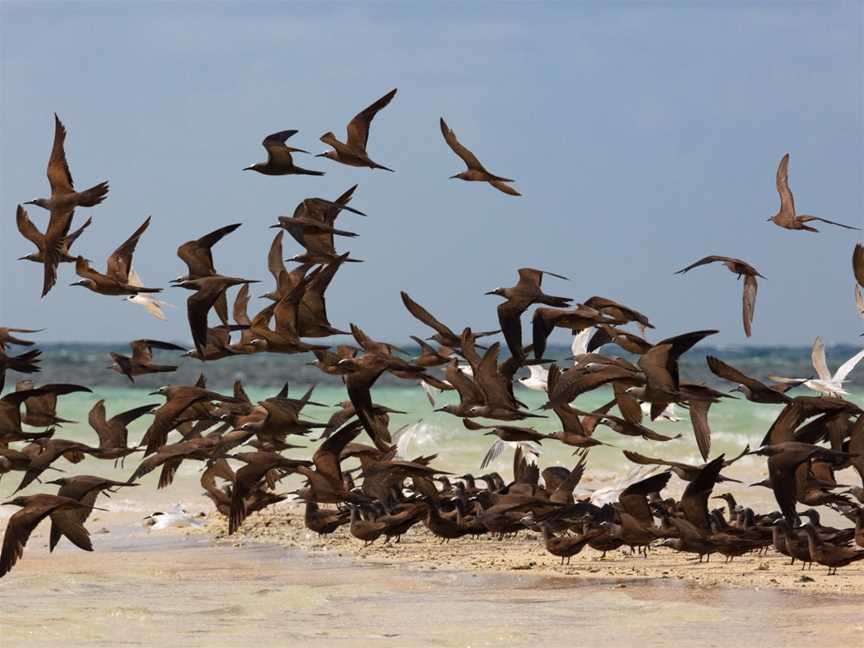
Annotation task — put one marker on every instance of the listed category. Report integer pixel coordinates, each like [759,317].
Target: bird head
[253,167]
[39,202]
[86,283]
[460,176]
[21,500]
[60,481]
[29,257]
[497,291]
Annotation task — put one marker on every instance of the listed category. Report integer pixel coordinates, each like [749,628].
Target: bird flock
[244,445]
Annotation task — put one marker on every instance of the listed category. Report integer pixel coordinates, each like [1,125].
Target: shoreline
[419,550]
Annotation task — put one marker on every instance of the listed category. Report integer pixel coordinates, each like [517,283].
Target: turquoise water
[734,424]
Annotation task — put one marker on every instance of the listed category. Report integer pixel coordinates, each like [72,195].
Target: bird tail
[299,171]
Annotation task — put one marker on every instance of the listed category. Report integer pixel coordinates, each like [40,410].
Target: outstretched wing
[467,156]
[358,128]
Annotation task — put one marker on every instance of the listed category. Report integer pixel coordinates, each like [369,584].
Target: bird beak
[249,168]
[30,202]
[156,393]
[296,150]
[77,283]
[769,219]
[491,292]
[454,176]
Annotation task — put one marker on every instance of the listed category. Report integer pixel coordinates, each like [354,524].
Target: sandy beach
[274,582]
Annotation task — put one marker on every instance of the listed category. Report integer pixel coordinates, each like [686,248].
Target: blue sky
[643,136]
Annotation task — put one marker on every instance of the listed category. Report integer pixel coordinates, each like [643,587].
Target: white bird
[538,378]
[174,516]
[530,450]
[150,303]
[667,414]
[825,383]
[859,301]
[579,345]
[610,494]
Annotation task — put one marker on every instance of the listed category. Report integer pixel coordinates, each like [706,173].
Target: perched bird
[353,150]
[141,360]
[476,171]
[740,268]
[786,217]
[279,160]
[115,281]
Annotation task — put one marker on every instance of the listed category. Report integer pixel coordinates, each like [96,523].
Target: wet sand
[179,587]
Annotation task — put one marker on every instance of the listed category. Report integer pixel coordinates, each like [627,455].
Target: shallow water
[734,423]
[159,589]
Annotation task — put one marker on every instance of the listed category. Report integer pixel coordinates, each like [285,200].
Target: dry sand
[420,550]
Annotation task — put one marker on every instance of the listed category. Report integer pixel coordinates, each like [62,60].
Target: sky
[643,136]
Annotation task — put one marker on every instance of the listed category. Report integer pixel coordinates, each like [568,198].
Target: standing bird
[527,291]
[207,292]
[740,268]
[115,281]
[63,195]
[786,217]
[476,171]
[353,151]
[279,160]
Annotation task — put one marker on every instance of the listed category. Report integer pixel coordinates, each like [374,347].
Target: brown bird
[443,334]
[44,452]
[279,160]
[63,194]
[40,411]
[27,362]
[353,151]
[198,257]
[34,509]
[687,472]
[115,281]
[207,292]
[7,339]
[141,361]
[753,390]
[831,556]
[740,268]
[786,217]
[783,461]
[53,247]
[10,409]
[84,489]
[476,171]
[113,433]
[527,291]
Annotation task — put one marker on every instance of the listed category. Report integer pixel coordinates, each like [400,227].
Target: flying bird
[64,198]
[115,281]
[825,383]
[279,160]
[141,361]
[476,171]
[786,217]
[740,268]
[353,151]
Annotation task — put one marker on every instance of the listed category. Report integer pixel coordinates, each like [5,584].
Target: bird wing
[358,128]
[58,170]
[27,228]
[859,300]
[846,367]
[68,523]
[277,150]
[509,318]
[723,370]
[426,317]
[817,356]
[467,156]
[749,302]
[18,530]
[699,420]
[120,262]
[579,345]
[858,263]
[704,261]
[274,257]
[787,203]
[500,185]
